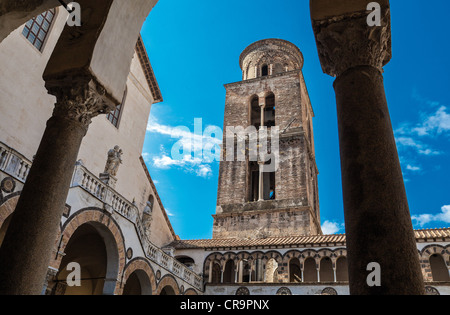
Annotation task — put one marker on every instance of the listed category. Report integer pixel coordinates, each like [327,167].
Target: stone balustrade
[114,202]
[13,163]
[17,166]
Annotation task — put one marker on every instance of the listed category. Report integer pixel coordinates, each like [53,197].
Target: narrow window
[216,273]
[326,270]
[114,116]
[269,188]
[265,71]
[255,112]
[439,269]
[342,270]
[254,173]
[228,274]
[269,111]
[295,273]
[310,272]
[37,29]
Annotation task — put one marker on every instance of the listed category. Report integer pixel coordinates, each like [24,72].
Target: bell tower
[253,202]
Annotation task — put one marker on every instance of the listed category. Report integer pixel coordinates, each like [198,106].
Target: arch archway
[6,210]
[190,292]
[168,286]
[142,277]
[255,112]
[310,270]
[109,230]
[439,269]
[271,274]
[440,257]
[342,269]
[216,274]
[326,270]
[3,228]
[93,247]
[229,272]
[138,283]
[295,273]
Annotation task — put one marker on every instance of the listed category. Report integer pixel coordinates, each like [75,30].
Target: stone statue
[148,208]
[114,161]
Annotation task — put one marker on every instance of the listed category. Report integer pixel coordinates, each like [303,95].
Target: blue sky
[194,48]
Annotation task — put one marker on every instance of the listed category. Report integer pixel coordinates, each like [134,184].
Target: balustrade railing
[93,185]
[16,165]
[13,163]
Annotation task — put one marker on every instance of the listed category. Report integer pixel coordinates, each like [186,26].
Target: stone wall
[296,208]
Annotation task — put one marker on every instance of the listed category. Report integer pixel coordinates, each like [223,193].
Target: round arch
[426,256]
[145,274]
[8,206]
[108,228]
[6,211]
[168,286]
[190,292]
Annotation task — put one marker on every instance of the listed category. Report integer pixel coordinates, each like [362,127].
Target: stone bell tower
[253,203]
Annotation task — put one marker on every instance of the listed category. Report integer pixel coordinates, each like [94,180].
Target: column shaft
[32,233]
[31,236]
[378,221]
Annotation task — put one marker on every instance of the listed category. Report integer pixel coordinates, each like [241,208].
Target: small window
[37,29]
[265,71]
[269,111]
[255,112]
[114,116]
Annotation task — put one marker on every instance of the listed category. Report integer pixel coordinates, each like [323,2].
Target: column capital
[80,100]
[345,40]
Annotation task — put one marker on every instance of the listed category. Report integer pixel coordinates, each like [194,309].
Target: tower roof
[272,47]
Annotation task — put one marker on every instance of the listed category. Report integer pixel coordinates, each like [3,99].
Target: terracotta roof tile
[292,241]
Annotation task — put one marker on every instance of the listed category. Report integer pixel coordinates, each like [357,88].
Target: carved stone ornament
[329,291]
[114,160]
[81,100]
[243,291]
[431,291]
[347,41]
[284,291]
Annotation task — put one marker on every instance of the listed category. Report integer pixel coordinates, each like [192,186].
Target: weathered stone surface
[296,190]
[377,218]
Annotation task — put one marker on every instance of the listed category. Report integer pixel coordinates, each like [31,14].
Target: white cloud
[330,228]
[409,142]
[146,157]
[429,152]
[188,163]
[438,122]
[413,168]
[425,219]
[412,139]
[204,171]
[196,141]
[169,213]
[192,151]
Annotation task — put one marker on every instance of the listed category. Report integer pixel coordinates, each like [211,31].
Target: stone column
[377,217]
[210,272]
[318,274]
[261,163]
[31,237]
[241,271]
